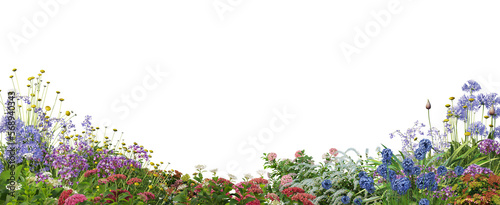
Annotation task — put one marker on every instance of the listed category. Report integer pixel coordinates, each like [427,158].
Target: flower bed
[47,160]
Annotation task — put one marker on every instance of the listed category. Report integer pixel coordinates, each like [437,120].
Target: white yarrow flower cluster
[28,155]
[181,187]
[16,186]
[214,170]
[200,167]
[248,176]
[261,172]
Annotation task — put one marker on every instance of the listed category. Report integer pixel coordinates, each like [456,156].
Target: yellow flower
[486,117]
[61,99]
[42,71]
[471,99]
[11,76]
[150,187]
[447,105]
[14,69]
[446,120]
[137,184]
[152,163]
[467,134]
[97,187]
[465,106]
[452,98]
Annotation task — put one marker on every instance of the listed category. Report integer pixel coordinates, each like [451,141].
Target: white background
[229,69]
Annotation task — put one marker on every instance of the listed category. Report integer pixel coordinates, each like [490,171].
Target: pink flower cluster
[298,154]
[146,196]
[286,180]
[77,198]
[333,152]
[272,156]
[304,198]
[134,180]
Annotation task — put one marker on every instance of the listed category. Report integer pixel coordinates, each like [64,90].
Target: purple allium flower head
[471,86]
[475,169]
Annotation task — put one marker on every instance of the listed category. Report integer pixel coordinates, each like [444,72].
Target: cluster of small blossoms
[75,199]
[487,146]
[475,169]
[146,196]
[304,198]
[272,156]
[133,181]
[286,180]
[69,165]
[111,163]
[331,155]
[138,152]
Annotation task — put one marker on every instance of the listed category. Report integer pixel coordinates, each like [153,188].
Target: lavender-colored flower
[475,169]
[471,86]
[362,174]
[478,128]
[459,170]
[386,156]
[425,144]
[420,154]
[441,170]
[423,201]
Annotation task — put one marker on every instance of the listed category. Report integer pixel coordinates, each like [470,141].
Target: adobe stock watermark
[31,26]
[255,144]
[363,36]
[11,141]
[222,7]
[130,100]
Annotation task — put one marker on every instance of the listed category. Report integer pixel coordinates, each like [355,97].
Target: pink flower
[272,156]
[334,152]
[77,198]
[286,180]
[298,154]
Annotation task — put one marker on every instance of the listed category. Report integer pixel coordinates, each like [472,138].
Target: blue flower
[327,184]
[459,170]
[477,128]
[423,201]
[420,153]
[441,170]
[386,156]
[345,199]
[362,174]
[416,171]
[425,144]
[366,182]
[472,86]
[402,185]
[420,182]
[358,201]
[382,170]
[434,186]
[408,165]
[429,179]
[392,175]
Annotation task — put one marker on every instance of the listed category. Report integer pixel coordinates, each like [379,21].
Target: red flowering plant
[477,189]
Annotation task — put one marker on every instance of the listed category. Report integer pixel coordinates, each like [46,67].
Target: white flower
[214,170]
[16,186]
[47,174]
[200,166]
[28,155]
[248,176]
[232,176]
[181,187]
[261,172]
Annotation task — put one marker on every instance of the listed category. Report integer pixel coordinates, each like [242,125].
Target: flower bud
[492,111]
[447,105]
[452,98]
[428,105]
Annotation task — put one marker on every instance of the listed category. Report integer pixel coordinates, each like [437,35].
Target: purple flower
[477,128]
[358,201]
[402,185]
[420,182]
[475,169]
[487,146]
[423,201]
[471,86]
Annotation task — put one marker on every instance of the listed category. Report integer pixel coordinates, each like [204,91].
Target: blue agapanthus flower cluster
[478,128]
[425,146]
[358,201]
[326,184]
[427,181]
[367,183]
[471,86]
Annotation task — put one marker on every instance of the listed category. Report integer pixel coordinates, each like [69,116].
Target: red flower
[90,173]
[292,190]
[304,198]
[133,180]
[64,195]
